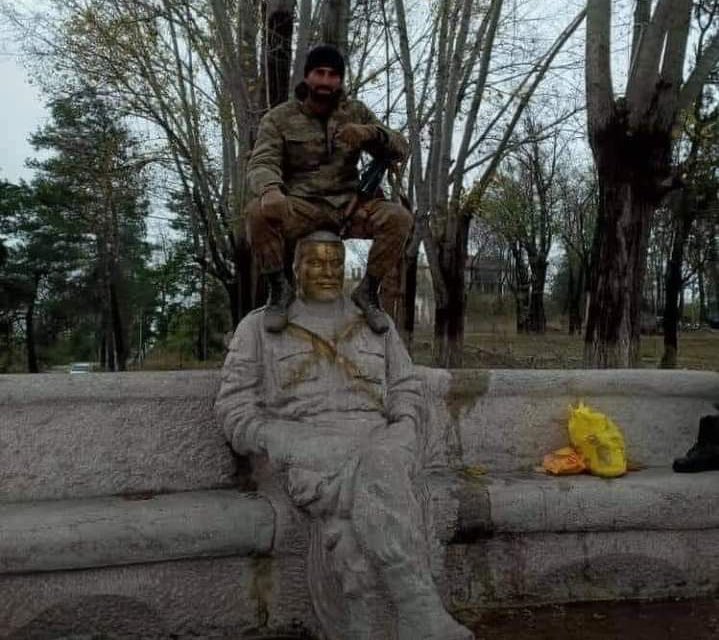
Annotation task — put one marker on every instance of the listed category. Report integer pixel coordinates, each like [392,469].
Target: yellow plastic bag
[564,462]
[599,440]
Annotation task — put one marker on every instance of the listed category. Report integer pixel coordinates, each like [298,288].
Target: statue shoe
[366,297]
[704,455]
[281,296]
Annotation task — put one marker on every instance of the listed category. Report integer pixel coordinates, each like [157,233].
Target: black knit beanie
[325,55]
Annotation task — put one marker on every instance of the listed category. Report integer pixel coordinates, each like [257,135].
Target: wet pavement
[661,620]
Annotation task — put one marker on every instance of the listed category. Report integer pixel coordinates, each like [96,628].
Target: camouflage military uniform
[298,152]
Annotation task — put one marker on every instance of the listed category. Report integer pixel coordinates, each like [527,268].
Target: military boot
[366,297]
[278,302]
[704,455]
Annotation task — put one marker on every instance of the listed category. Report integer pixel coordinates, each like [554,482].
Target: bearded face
[324,84]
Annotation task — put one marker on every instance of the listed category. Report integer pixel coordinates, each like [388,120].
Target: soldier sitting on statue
[329,410]
[303,172]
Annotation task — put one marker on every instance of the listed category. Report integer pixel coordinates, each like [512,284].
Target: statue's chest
[348,360]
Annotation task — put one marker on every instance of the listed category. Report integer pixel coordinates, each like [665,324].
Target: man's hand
[274,202]
[357,135]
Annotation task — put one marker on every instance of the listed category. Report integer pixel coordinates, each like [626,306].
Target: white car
[81,367]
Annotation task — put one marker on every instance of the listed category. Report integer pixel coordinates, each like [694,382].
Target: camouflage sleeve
[265,167]
[238,405]
[390,143]
[404,387]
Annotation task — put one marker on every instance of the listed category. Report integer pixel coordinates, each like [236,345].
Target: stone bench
[122,508]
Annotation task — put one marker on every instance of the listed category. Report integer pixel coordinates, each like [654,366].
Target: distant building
[486,276]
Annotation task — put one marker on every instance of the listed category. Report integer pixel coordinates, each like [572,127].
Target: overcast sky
[22,111]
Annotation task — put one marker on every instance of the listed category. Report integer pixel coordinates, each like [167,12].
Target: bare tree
[456,72]
[631,139]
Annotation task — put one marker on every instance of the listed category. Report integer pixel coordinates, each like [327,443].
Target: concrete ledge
[651,500]
[543,568]
[80,436]
[100,532]
[506,421]
[509,537]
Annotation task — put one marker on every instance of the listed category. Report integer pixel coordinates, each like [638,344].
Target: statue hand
[357,135]
[274,202]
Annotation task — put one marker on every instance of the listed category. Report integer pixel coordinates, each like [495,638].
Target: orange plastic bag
[564,462]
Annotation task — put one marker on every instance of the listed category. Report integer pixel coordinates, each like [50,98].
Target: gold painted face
[320,271]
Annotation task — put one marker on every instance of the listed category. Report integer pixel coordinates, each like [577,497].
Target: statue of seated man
[332,408]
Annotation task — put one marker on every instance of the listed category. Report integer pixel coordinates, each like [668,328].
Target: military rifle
[370,181]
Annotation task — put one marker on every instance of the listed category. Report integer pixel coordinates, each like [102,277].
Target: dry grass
[557,350]
[506,350]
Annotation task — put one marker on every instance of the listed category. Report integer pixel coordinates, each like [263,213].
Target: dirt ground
[666,620]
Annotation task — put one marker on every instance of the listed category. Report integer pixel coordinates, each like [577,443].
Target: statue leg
[346,593]
[388,523]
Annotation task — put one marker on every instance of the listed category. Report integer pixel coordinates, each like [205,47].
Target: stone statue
[333,408]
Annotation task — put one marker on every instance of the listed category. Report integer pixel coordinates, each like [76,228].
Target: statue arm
[239,406]
[404,387]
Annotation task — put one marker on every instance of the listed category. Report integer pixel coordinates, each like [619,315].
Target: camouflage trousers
[385,222]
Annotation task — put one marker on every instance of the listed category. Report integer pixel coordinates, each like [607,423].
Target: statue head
[319,266]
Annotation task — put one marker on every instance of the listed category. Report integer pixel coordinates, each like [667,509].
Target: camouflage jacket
[298,151]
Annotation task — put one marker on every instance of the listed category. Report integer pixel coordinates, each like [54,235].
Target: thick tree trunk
[614,316]
[673,284]
[631,164]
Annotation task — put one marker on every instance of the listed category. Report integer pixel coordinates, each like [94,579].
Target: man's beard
[329,99]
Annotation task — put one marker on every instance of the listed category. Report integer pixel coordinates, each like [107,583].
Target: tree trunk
[32,365]
[537,321]
[521,291]
[393,295]
[278,48]
[576,289]
[631,163]
[335,25]
[673,284]
[118,329]
[614,317]
[241,289]
[202,329]
[410,298]
[449,320]
[6,328]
